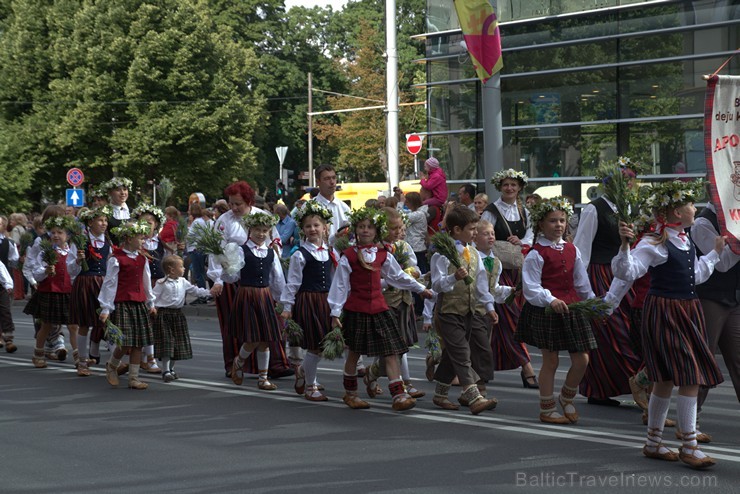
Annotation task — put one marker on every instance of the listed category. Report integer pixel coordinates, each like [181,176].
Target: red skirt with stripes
[312,313]
[614,361]
[507,352]
[83,301]
[674,340]
[253,317]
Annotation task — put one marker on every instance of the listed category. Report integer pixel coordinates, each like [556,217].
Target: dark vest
[518,228]
[606,241]
[96,260]
[256,270]
[4,251]
[723,288]
[316,274]
[675,277]
[155,263]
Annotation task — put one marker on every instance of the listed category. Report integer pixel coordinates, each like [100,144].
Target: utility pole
[391,92]
[310,132]
[493,139]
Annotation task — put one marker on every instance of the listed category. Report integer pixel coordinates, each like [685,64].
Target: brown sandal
[354,402]
[657,455]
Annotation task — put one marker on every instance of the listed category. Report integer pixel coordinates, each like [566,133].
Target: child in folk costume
[117,189]
[253,319]
[553,275]
[7,328]
[456,304]
[673,327]
[368,326]
[126,297]
[306,291]
[51,305]
[84,303]
[171,336]
[155,252]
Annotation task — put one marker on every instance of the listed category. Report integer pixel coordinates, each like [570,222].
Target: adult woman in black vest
[614,361]
[510,220]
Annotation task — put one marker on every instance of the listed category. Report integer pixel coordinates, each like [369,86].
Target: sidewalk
[199,310]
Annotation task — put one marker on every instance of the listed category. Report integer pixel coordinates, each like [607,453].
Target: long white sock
[686,411]
[146,352]
[657,413]
[310,367]
[405,374]
[82,346]
[263,363]
[244,354]
[94,349]
[166,367]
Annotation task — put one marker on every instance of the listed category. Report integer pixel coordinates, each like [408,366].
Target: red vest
[557,273]
[130,277]
[365,294]
[60,282]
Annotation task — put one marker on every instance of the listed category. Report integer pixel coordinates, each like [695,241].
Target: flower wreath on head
[130,229]
[376,217]
[98,192]
[148,208]
[63,222]
[116,182]
[500,176]
[667,195]
[629,169]
[259,219]
[312,208]
[545,206]
[91,214]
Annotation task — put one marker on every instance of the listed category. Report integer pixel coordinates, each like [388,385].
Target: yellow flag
[482,36]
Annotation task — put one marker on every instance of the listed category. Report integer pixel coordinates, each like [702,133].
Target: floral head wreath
[545,206]
[90,214]
[130,229]
[510,173]
[116,182]
[63,222]
[312,208]
[259,219]
[668,195]
[148,208]
[98,192]
[628,168]
[376,217]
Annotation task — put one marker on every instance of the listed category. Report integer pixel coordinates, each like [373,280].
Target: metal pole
[154,192]
[391,91]
[310,133]
[493,139]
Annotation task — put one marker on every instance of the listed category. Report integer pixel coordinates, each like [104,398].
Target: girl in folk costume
[241,202]
[554,275]
[126,297]
[614,361]
[306,292]
[253,319]
[511,223]
[84,303]
[368,326]
[400,303]
[172,339]
[155,252]
[117,189]
[54,269]
[673,328]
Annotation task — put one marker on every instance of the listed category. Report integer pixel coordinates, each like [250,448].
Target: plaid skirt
[374,335]
[253,317]
[312,313]
[554,332]
[171,335]
[406,318]
[50,307]
[83,302]
[132,318]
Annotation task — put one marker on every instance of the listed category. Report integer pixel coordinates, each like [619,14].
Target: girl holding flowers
[126,297]
[306,292]
[368,325]
[673,327]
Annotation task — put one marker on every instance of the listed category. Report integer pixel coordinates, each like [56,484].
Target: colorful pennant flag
[480,30]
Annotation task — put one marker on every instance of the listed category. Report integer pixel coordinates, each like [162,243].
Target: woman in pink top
[436,181]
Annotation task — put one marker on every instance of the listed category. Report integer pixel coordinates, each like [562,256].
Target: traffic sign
[75,197]
[413,143]
[75,177]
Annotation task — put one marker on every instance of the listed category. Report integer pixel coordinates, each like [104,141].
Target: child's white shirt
[295,271]
[170,293]
[107,296]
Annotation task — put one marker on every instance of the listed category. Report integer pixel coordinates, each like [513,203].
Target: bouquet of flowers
[293,332]
[209,240]
[342,243]
[113,333]
[445,245]
[48,252]
[432,345]
[332,346]
[25,242]
[617,182]
[79,238]
[593,308]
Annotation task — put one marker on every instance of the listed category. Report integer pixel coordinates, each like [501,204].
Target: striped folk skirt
[406,318]
[253,318]
[132,318]
[614,361]
[508,353]
[83,302]
[675,345]
[555,332]
[171,335]
[312,313]
[374,335]
[49,307]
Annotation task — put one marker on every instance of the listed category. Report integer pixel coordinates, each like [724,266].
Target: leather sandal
[266,385]
[657,455]
[371,387]
[313,394]
[237,373]
[122,369]
[549,418]
[111,374]
[412,391]
[693,461]
[82,370]
[482,404]
[38,362]
[668,422]
[134,383]
[572,416]
[10,347]
[354,402]
[444,403]
[403,402]
[701,437]
[300,381]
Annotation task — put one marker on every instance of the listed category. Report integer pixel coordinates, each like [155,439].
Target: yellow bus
[356,194]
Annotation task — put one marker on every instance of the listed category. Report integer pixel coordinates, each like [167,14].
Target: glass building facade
[583,81]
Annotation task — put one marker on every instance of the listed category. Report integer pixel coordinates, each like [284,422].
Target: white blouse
[170,293]
[39,265]
[500,292]
[588,224]
[5,279]
[295,271]
[703,235]
[277,278]
[121,212]
[511,213]
[108,291]
[443,282]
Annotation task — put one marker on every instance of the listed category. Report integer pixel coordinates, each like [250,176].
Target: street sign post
[75,177]
[75,197]
[281,152]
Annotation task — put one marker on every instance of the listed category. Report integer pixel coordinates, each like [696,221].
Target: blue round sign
[75,177]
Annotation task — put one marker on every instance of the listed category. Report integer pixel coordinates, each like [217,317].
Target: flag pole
[493,139]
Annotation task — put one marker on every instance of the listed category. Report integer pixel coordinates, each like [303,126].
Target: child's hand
[559,306]
[626,232]
[719,243]
[426,327]
[494,316]
[427,294]
[335,322]
[461,273]
[285,315]
[216,290]
[50,270]
[80,256]
[153,311]
[514,240]
[103,317]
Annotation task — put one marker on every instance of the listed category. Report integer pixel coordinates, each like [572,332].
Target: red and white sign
[413,143]
[75,177]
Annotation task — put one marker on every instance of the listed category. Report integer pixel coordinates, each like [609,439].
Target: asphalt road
[64,433]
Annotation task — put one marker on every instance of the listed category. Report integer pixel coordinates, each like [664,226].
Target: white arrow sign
[75,198]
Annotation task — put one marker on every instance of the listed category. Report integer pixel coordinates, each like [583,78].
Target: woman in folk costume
[241,202]
[117,189]
[614,361]
[673,327]
[511,223]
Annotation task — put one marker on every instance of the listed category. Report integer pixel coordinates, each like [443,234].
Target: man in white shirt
[466,194]
[326,179]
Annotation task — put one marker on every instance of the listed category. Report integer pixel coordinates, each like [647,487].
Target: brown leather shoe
[237,373]
[444,403]
[82,370]
[353,401]
[657,455]
[313,394]
[266,385]
[134,383]
[10,347]
[111,374]
[549,419]
[412,391]
[403,402]
[482,404]
[572,416]
[38,362]
[701,437]
[693,461]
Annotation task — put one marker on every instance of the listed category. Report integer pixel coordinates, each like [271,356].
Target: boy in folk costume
[455,309]
[673,327]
